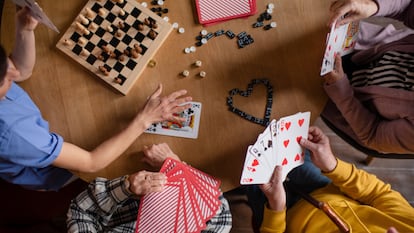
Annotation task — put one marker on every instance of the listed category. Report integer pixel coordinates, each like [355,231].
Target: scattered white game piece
[204,32]
[175,25]
[160,2]
[144,4]
[181,30]
[193,49]
[187,50]
[269,11]
[202,74]
[204,41]
[198,63]
[270,6]
[166,19]
[185,73]
[273,24]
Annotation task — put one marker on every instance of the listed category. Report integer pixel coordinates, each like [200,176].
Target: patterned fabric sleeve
[222,221]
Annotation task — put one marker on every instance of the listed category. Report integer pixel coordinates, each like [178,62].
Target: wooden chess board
[115,40]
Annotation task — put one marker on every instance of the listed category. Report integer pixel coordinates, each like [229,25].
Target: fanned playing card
[213,11]
[186,129]
[277,145]
[37,13]
[190,198]
[341,41]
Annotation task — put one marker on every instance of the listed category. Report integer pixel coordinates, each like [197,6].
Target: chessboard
[115,40]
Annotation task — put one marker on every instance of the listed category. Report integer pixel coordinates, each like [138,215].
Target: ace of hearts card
[277,145]
[187,129]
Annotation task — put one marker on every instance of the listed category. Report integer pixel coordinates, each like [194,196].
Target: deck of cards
[186,129]
[277,145]
[341,41]
[214,11]
[189,199]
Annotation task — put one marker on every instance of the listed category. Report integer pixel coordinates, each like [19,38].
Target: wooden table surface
[85,111]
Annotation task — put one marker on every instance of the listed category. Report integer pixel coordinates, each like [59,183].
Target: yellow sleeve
[368,189]
[273,221]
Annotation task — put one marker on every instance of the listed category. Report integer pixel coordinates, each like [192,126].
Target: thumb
[157,92]
[307,144]
[338,63]
[277,175]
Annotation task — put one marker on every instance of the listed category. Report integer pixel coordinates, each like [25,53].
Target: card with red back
[213,11]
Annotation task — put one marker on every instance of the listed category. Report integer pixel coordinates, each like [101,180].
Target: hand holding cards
[189,199]
[340,41]
[277,145]
[37,13]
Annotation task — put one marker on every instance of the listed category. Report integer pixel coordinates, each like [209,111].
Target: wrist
[331,165]
[141,123]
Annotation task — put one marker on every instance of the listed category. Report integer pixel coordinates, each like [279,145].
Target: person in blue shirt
[35,158]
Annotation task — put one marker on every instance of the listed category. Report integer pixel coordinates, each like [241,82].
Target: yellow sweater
[378,206]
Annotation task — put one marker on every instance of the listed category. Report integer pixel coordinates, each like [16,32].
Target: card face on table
[37,13]
[213,11]
[189,199]
[187,129]
[277,145]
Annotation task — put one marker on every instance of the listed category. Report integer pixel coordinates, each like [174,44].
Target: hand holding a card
[25,20]
[156,154]
[274,190]
[318,144]
[351,10]
[144,182]
[337,73]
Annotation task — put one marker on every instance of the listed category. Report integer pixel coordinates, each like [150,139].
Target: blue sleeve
[30,144]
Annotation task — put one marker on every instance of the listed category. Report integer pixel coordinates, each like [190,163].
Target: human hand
[274,190]
[24,20]
[392,230]
[144,182]
[156,154]
[159,109]
[337,73]
[352,10]
[318,144]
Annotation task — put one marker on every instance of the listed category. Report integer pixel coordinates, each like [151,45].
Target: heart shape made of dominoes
[269,100]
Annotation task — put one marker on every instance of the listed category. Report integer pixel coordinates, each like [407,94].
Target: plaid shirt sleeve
[108,206]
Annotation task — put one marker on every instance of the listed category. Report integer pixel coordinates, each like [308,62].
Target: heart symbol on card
[255,163]
[269,100]
[300,122]
[285,162]
[287,125]
[286,143]
[297,157]
[298,139]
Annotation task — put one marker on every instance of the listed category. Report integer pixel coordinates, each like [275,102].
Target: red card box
[213,11]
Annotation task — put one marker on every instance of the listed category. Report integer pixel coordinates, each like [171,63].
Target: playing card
[189,199]
[334,45]
[290,153]
[254,171]
[187,129]
[37,13]
[212,11]
[277,145]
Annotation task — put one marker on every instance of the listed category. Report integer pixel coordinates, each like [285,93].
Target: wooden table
[85,111]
